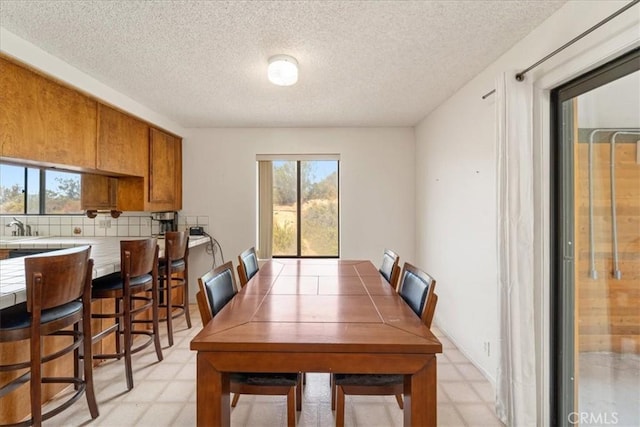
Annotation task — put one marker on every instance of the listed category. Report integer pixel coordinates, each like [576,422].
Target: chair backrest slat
[431,310]
[203,308]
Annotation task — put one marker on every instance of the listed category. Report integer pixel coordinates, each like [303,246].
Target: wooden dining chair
[247,265]
[417,289]
[217,289]
[389,268]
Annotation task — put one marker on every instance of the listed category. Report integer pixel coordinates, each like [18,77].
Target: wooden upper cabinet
[165,171]
[123,143]
[98,192]
[45,122]
[48,124]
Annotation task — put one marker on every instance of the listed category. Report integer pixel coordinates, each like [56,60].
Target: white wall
[377,183]
[455,226]
[455,179]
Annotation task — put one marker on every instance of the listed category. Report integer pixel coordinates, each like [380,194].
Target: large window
[37,191]
[299,207]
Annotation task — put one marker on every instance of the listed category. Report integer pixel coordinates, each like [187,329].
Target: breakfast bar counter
[105,252]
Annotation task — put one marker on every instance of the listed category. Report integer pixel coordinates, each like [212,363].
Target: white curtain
[516,379]
[265,209]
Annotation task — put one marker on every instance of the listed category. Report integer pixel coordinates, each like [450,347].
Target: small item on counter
[196,231]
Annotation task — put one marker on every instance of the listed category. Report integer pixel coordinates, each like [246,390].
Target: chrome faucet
[20,225]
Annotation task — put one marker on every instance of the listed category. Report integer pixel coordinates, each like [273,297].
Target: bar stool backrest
[138,257]
[176,244]
[54,280]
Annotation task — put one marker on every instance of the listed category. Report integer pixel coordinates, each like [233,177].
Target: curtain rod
[520,75]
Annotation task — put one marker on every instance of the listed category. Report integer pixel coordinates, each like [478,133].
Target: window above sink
[38,191]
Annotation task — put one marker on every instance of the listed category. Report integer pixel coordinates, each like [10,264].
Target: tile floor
[164,394]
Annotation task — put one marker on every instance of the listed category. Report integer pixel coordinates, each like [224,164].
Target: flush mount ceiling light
[283,70]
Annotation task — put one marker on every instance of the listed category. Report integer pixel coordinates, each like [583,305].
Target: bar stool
[135,290]
[58,297]
[175,260]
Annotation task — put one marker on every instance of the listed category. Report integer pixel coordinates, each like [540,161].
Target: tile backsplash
[129,224]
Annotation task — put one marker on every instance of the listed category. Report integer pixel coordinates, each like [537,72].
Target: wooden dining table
[316,315]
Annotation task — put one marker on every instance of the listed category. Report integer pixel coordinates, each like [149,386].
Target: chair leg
[340,407]
[87,362]
[299,393]
[77,355]
[291,407]
[36,380]
[400,401]
[118,322]
[166,281]
[332,383]
[128,339]
[155,313]
[234,402]
[185,298]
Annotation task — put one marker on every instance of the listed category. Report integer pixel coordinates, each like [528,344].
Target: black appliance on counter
[168,221]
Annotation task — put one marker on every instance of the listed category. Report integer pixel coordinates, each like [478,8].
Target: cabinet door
[43,121]
[122,143]
[98,192]
[165,171]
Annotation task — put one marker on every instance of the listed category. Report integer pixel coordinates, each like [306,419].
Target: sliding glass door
[298,204]
[596,247]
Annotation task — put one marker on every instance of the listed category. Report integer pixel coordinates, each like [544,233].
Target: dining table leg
[420,400]
[212,394]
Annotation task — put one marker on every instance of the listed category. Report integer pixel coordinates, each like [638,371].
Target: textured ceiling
[203,63]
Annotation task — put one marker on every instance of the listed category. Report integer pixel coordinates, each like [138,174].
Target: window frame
[42,189]
[299,159]
[562,234]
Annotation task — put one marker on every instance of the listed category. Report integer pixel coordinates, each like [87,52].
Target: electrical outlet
[104,223]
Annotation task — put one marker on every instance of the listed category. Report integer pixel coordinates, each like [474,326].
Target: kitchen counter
[105,252]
